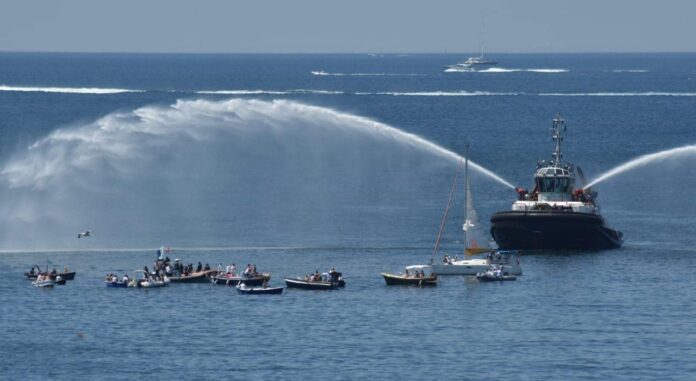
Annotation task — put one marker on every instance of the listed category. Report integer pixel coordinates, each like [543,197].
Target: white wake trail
[67,90]
[643,161]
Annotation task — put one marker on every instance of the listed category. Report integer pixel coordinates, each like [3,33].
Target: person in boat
[199,268]
[334,276]
[206,267]
[125,278]
[168,270]
[247,270]
[253,270]
[316,277]
[146,271]
[406,273]
[447,260]
[219,268]
[53,273]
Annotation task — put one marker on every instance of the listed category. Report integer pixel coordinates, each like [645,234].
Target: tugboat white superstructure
[556,214]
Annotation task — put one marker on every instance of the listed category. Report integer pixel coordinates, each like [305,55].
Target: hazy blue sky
[347,26]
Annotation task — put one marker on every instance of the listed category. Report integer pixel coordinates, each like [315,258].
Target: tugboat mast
[557,130]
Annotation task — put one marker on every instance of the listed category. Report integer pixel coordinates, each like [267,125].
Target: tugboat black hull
[552,230]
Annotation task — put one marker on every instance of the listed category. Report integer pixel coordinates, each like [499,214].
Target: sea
[302,162]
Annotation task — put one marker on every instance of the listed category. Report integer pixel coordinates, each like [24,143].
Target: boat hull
[261,291]
[312,285]
[70,275]
[400,280]
[116,284]
[552,230]
[493,278]
[199,277]
[255,281]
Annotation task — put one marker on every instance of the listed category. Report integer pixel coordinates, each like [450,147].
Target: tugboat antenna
[558,128]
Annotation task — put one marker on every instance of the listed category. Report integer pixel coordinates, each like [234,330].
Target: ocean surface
[299,163]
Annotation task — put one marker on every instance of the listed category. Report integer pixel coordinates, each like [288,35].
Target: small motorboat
[67,275]
[36,271]
[410,280]
[495,274]
[233,280]
[327,281]
[150,283]
[147,281]
[243,289]
[308,284]
[116,284]
[195,277]
[43,282]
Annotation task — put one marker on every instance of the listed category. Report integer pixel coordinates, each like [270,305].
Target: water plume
[218,173]
[643,161]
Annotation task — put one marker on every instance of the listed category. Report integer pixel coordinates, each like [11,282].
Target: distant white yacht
[472,62]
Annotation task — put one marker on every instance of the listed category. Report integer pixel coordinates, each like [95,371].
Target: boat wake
[327,74]
[216,173]
[68,90]
[461,93]
[641,161]
[630,71]
[621,94]
[503,70]
[270,92]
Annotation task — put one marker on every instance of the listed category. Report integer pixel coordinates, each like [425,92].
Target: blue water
[294,190]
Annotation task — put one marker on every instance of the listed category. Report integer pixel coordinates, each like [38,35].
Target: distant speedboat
[85,234]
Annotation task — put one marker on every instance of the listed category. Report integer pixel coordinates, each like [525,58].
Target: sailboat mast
[466,192]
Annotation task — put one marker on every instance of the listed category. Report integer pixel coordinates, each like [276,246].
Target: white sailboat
[476,242]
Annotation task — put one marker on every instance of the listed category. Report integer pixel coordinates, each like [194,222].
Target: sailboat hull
[552,230]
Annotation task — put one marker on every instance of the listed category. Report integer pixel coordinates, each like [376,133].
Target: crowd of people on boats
[163,266]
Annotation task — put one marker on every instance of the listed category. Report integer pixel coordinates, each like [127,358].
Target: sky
[348,26]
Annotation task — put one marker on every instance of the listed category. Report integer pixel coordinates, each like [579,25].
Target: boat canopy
[418,267]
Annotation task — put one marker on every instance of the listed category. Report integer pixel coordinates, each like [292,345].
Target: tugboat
[555,215]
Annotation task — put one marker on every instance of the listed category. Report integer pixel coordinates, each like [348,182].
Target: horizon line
[336,53]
